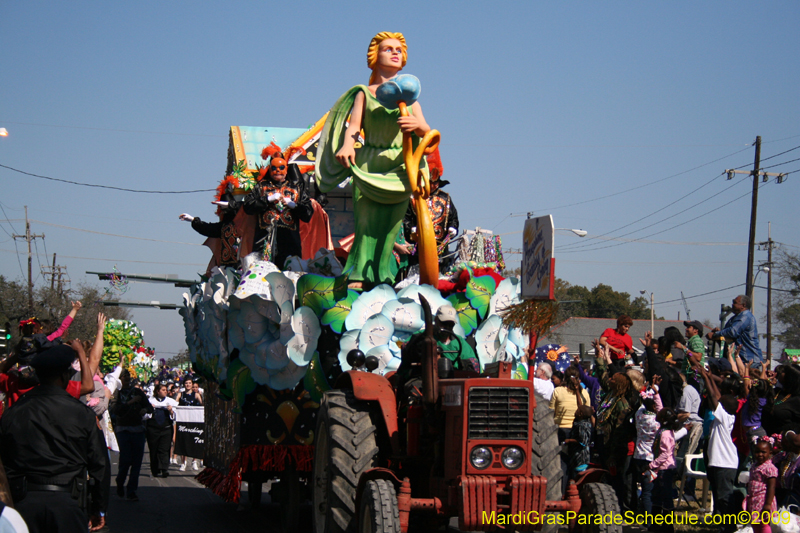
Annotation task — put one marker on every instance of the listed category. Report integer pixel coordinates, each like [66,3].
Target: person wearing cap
[695,349]
[48,443]
[449,345]
[742,329]
[452,346]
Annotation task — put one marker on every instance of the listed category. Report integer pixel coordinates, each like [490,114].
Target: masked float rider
[227,252]
[448,344]
[279,202]
[443,213]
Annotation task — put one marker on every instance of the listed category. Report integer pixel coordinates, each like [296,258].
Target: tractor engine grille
[498,413]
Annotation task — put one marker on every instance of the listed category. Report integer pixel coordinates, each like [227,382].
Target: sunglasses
[282,167]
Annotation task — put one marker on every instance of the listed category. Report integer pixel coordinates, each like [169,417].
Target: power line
[653,263]
[5,230]
[793,291]
[668,229]
[114,260]
[699,295]
[780,140]
[780,164]
[653,213]
[640,186]
[38,261]
[105,186]
[21,270]
[113,234]
[785,152]
[117,130]
[8,219]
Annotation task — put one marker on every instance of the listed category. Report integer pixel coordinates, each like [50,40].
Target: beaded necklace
[786,464]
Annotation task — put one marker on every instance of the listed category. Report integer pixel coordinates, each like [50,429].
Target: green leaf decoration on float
[336,315]
[467,316]
[479,292]
[240,384]
[320,293]
[314,381]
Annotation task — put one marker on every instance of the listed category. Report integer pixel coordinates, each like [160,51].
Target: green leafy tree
[787,304]
[179,360]
[54,306]
[600,302]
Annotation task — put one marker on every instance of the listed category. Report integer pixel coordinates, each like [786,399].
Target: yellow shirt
[564,404]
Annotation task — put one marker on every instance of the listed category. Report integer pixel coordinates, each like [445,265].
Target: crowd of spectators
[639,419]
[56,452]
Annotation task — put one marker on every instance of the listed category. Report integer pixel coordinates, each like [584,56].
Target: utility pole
[751,243]
[754,207]
[770,244]
[28,238]
[54,271]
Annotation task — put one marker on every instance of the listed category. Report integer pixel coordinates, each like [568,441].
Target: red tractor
[395,454]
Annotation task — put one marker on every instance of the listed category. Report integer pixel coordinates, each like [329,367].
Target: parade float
[123,345]
[302,358]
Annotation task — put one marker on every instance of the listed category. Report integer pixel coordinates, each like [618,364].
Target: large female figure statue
[381,189]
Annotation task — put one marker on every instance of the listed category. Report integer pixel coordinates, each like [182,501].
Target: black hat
[695,324]
[720,364]
[53,361]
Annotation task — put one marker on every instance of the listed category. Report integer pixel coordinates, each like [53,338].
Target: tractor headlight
[480,457]
[512,458]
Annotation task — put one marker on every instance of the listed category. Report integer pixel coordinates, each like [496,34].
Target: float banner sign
[190,434]
[538,275]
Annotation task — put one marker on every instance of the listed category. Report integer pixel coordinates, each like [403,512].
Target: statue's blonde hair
[374,44]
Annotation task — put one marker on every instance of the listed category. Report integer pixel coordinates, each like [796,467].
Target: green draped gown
[380,184]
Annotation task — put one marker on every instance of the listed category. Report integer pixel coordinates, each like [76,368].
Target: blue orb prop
[402,88]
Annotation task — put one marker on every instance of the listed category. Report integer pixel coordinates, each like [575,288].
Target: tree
[50,305]
[600,302]
[179,360]
[787,300]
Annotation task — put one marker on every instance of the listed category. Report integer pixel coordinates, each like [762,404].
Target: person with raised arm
[723,460]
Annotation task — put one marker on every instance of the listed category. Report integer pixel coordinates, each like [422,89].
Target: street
[179,503]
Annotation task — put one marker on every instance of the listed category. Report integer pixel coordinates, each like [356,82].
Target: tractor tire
[545,459]
[345,448]
[598,499]
[379,513]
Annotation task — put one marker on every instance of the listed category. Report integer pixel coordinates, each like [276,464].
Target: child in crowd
[759,395]
[646,429]
[662,467]
[761,487]
[723,460]
[579,442]
[38,335]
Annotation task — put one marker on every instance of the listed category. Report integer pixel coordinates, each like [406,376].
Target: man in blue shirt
[742,329]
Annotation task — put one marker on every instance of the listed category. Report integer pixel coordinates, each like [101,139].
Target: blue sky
[542,106]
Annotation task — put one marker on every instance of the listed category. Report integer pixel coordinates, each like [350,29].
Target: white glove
[414,229]
[186,216]
[452,231]
[274,197]
[289,203]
